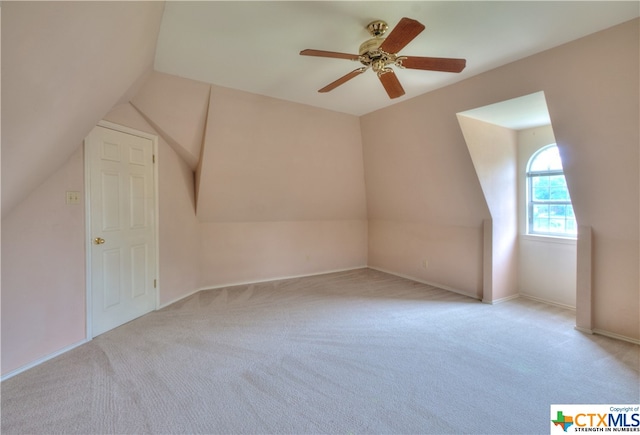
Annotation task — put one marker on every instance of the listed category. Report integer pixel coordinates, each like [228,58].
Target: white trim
[87,239]
[179,298]
[233,284]
[41,360]
[541,238]
[128,130]
[616,336]
[548,302]
[281,278]
[433,284]
[585,330]
[499,301]
[87,196]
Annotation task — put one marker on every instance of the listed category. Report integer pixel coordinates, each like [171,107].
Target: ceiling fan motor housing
[371,55]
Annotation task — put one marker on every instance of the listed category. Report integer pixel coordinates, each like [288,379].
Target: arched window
[549,210]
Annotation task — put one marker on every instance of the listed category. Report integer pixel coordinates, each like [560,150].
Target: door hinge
[155,283]
[153,158]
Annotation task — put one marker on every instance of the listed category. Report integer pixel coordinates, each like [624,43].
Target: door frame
[87,221]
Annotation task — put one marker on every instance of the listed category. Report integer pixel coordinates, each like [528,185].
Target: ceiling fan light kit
[380,54]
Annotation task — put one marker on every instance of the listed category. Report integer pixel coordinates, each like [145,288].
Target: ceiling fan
[380,53]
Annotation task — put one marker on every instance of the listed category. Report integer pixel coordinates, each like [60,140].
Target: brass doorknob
[98,240]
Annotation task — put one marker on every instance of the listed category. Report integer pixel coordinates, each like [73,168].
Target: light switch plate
[73,197]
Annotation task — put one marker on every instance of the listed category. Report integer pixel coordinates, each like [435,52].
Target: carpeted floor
[350,352]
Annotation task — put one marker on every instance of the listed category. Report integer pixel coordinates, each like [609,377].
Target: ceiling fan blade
[331,86]
[433,63]
[401,35]
[391,84]
[322,53]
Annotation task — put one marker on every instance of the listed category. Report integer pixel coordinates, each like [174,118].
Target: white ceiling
[517,114]
[254,46]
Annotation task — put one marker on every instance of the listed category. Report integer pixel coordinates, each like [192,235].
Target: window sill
[548,239]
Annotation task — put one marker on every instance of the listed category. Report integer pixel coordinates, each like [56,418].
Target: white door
[122,228]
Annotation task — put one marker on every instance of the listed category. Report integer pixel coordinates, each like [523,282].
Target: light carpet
[350,352]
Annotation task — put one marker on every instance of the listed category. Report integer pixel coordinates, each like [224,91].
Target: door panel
[110,209]
[111,278]
[139,266]
[122,226]
[138,208]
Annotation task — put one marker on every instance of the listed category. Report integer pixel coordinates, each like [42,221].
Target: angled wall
[64,65]
[280,190]
[493,151]
[177,108]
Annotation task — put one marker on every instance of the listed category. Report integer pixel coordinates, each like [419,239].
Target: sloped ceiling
[254,46]
[64,66]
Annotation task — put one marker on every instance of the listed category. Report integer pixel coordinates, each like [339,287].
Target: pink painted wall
[65,64]
[494,155]
[43,307]
[423,196]
[237,252]
[280,191]
[176,107]
[420,173]
[271,160]
[43,278]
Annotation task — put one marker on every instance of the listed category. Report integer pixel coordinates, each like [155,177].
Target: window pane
[547,160]
[540,218]
[556,225]
[558,188]
[549,202]
[557,211]
[571,227]
[540,188]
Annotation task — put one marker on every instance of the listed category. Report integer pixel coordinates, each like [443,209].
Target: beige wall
[177,108]
[281,190]
[67,64]
[493,152]
[419,173]
[43,277]
[238,252]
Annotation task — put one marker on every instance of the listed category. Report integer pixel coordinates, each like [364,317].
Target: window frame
[531,202]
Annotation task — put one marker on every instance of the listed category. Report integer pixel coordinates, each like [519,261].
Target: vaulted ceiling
[254,46]
[66,64]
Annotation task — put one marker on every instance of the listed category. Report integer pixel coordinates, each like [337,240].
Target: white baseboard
[616,336]
[433,284]
[583,330]
[548,302]
[41,360]
[173,301]
[280,278]
[498,301]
